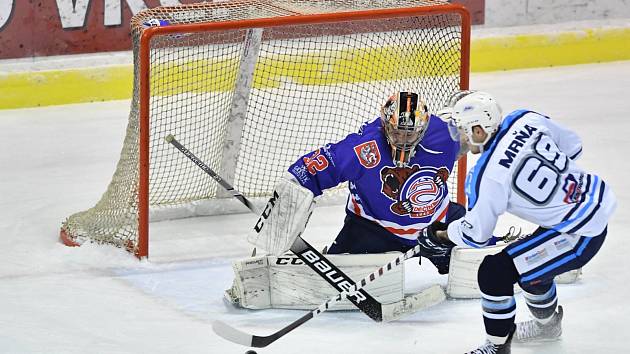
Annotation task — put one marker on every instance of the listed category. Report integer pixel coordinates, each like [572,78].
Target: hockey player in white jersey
[527,168]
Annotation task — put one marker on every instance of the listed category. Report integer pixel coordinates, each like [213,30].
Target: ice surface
[96,299]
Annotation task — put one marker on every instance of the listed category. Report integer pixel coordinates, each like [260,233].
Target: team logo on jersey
[368,154]
[416,191]
[573,189]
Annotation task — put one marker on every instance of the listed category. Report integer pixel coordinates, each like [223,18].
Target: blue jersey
[403,200]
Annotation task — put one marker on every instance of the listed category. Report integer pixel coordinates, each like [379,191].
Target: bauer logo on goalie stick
[328,270]
[265,214]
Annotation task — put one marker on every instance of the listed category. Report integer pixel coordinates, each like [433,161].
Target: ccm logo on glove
[265,214]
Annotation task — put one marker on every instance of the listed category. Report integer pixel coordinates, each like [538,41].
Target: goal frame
[145,40]
[142,248]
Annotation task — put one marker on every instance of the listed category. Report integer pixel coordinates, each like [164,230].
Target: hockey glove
[441,263]
[431,246]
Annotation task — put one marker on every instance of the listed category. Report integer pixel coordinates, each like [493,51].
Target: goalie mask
[405,120]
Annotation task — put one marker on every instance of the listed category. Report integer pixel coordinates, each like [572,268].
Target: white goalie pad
[462,277]
[286,282]
[284,217]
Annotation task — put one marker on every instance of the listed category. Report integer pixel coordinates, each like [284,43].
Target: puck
[250,352]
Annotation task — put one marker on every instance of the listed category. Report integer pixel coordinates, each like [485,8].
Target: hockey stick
[433,295]
[307,253]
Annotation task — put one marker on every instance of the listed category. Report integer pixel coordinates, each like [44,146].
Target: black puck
[250,352]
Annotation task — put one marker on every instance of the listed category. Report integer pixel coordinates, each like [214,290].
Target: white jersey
[528,169]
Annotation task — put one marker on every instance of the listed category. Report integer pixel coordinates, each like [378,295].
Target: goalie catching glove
[284,217]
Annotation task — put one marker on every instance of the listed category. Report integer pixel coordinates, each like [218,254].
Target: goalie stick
[307,253]
[432,296]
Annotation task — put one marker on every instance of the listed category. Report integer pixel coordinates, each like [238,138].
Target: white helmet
[472,108]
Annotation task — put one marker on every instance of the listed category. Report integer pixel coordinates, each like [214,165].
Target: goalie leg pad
[284,217]
[286,282]
[250,288]
[462,277]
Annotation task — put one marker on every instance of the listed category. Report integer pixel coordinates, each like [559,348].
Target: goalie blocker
[284,218]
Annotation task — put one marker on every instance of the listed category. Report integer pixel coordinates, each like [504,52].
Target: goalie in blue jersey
[397,167]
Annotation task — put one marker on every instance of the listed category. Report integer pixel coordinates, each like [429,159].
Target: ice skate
[534,331]
[490,348]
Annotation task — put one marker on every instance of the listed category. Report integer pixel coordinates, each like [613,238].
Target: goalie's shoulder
[438,139]
[369,131]
[364,149]
[370,126]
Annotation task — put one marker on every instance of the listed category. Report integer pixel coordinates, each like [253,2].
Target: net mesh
[249,102]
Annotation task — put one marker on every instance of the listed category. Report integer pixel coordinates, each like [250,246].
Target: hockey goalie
[397,167]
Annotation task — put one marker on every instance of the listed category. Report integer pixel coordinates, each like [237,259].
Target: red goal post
[249,86]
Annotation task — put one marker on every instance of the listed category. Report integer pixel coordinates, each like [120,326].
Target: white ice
[55,161]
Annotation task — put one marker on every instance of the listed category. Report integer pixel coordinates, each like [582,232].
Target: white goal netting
[249,86]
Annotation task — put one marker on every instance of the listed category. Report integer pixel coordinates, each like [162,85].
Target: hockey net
[249,86]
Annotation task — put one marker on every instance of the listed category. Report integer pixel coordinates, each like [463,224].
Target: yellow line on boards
[543,50]
[44,88]
[55,87]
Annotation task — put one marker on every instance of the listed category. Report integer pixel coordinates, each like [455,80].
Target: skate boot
[534,331]
[490,348]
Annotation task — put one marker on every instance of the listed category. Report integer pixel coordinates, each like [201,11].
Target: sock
[542,302]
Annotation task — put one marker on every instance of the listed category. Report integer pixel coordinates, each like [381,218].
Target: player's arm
[567,140]
[476,227]
[327,166]
[287,212]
